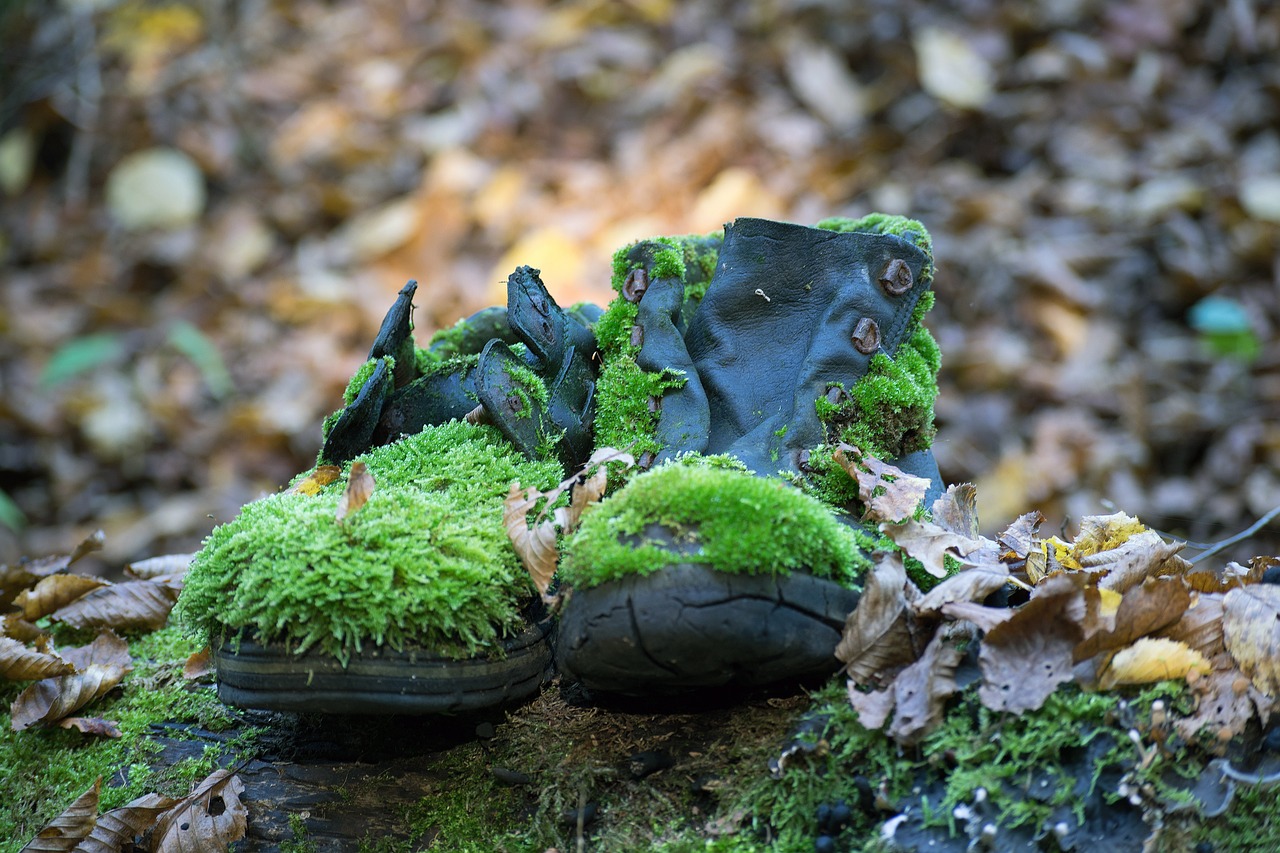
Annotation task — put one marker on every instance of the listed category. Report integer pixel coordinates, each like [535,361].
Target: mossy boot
[803,338]
[413,600]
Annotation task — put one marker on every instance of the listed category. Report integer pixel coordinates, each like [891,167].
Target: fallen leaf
[1144,609]
[54,592]
[1225,702]
[20,629]
[922,689]
[984,618]
[322,476]
[209,819]
[1200,626]
[1139,557]
[99,667]
[537,545]
[956,510]
[128,606]
[930,544]
[1251,628]
[1100,533]
[198,665]
[1017,539]
[972,583]
[19,662]
[877,637]
[888,493]
[92,726]
[24,574]
[168,569]
[1224,578]
[360,485]
[873,708]
[66,830]
[1026,657]
[116,829]
[1151,659]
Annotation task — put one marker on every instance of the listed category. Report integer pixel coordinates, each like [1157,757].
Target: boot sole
[689,627]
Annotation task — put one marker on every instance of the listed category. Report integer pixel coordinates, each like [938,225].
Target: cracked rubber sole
[689,627]
[380,680]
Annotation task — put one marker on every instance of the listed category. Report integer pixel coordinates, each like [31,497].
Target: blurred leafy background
[207,206]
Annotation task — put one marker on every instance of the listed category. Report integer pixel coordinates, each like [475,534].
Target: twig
[1242,535]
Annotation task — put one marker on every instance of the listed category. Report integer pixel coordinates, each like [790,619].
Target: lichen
[728,519]
[425,563]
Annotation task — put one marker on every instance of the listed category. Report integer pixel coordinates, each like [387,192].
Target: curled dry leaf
[1018,538]
[168,569]
[983,618]
[19,662]
[92,726]
[922,689]
[973,583]
[54,592]
[198,665]
[20,629]
[360,485]
[930,544]
[1141,556]
[99,667]
[322,476]
[210,818]
[1200,626]
[1251,628]
[24,574]
[1151,659]
[956,510]
[1224,578]
[128,606]
[117,829]
[537,545]
[1026,657]
[1144,609]
[888,493]
[877,636]
[68,829]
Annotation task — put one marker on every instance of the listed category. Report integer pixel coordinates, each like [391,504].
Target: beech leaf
[322,476]
[128,606]
[66,830]
[24,574]
[210,818]
[973,583]
[872,708]
[1200,626]
[99,667]
[53,592]
[92,726]
[19,662]
[1144,609]
[1018,538]
[198,665]
[168,569]
[956,510]
[922,689]
[360,485]
[930,544]
[888,493]
[876,635]
[1026,657]
[117,828]
[1251,629]
[1151,659]
[1139,557]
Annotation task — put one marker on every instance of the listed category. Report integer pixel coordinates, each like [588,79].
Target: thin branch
[1242,535]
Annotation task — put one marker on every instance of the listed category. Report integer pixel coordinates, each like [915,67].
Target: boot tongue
[790,310]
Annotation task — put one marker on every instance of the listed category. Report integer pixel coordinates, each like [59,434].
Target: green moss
[55,765]
[730,520]
[529,387]
[425,563]
[361,376]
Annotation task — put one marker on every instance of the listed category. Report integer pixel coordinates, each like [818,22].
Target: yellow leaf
[1152,659]
[322,476]
[1251,628]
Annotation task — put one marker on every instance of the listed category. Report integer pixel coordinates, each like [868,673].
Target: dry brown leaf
[888,493]
[1018,538]
[1145,609]
[117,829]
[1251,628]
[92,726]
[1225,702]
[99,667]
[16,578]
[168,569]
[537,545]
[877,636]
[198,665]
[128,606]
[1230,576]
[1151,659]
[19,662]
[322,476]
[53,592]
[956,510]
[360,484]
[1026,657]
[930,544]
[1141,556]
[1201,626]
[921,690]
[984,618]
[973,583]
[872,708]
[208,819]
[66,830]
[18,628]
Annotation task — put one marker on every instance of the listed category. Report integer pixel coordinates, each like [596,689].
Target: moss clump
[46,769]
[724,518]
[425,563]
[889,412]
[361,376]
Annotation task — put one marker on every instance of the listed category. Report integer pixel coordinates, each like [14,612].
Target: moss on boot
[425,563]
